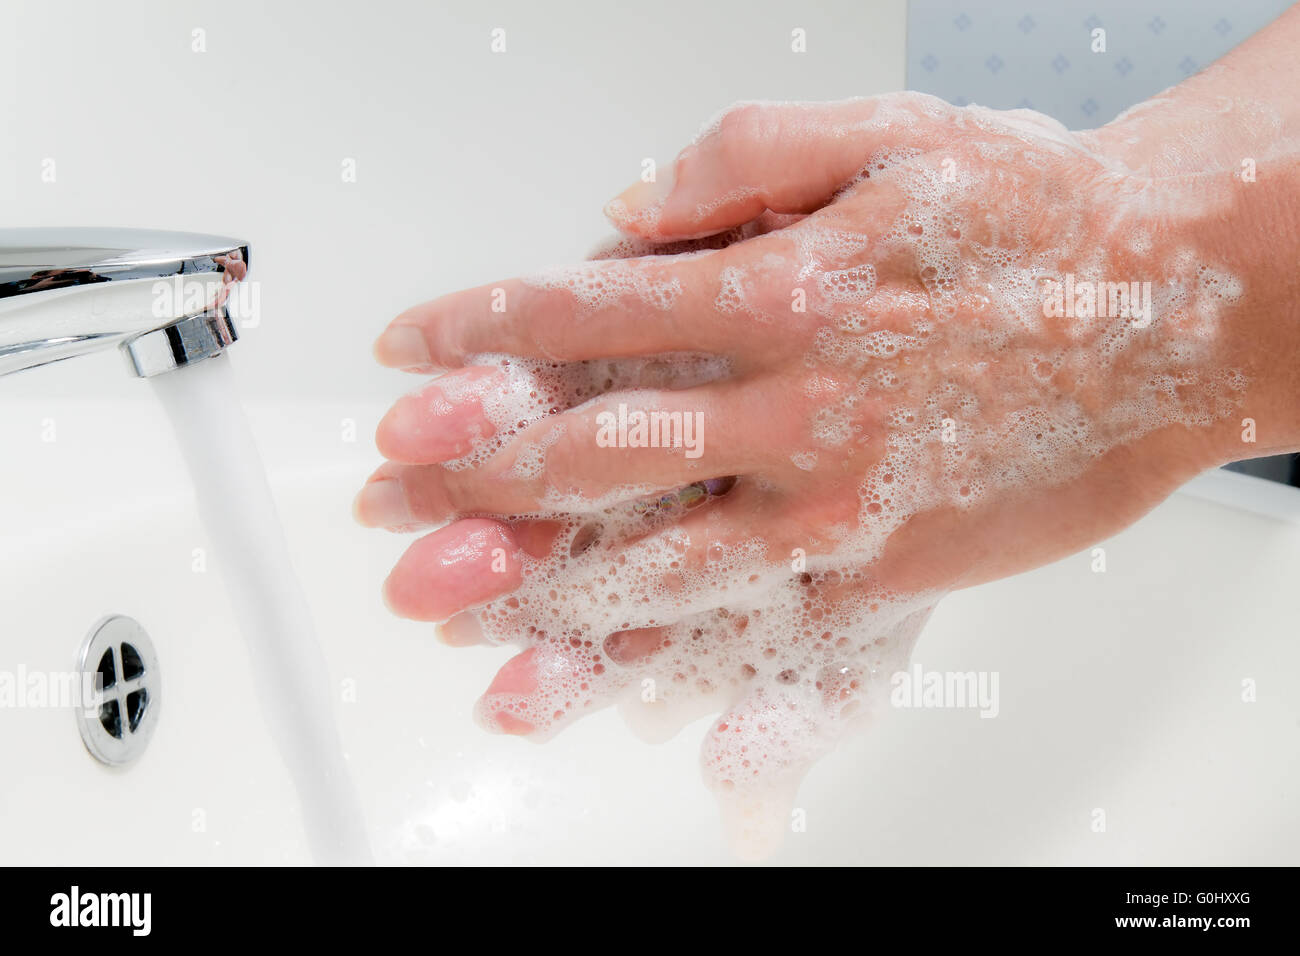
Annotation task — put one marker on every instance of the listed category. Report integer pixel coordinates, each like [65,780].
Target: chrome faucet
[161,297]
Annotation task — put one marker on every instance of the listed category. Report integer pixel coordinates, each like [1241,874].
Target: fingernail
[382,504]
[404,347]
[463,630]
[642,201]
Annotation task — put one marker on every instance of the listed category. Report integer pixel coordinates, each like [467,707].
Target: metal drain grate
[119,658]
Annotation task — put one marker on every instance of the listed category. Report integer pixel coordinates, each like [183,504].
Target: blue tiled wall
[1039,55]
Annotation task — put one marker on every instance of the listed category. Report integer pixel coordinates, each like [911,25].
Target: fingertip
[498,708]
[426,428]
[382,503]
[507,723]
[463,565]
[638,209]
[404,347]
[517,675]
[463,630]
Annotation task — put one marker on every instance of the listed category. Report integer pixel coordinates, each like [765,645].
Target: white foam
[597,283]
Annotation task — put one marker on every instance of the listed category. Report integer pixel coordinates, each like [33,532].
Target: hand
[887,378]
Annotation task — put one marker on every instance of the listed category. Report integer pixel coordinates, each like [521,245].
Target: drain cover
[118,659]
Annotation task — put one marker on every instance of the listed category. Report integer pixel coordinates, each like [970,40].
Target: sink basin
[1120,691]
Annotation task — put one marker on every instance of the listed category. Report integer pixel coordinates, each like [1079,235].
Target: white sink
[1120,691]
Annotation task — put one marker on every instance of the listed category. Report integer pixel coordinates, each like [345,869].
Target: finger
[510,706]
[535,539]
[663,701]
[754,758]
[657,718]
[462,630]
[620,578]
[599,309]
[454,568]
[700,561]
[782,157]
[618,448]
[442,421]
[555,682]
[468,415]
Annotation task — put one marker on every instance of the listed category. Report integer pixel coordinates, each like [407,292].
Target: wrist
[1249,229]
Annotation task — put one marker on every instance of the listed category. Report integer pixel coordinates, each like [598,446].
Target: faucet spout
[161,296]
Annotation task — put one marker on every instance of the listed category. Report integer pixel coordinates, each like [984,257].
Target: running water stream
[292,681]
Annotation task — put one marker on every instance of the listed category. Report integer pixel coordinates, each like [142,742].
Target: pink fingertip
[463,565]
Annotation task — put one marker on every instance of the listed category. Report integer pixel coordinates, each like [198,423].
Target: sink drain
[118,659]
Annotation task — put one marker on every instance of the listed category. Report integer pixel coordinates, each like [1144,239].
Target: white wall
[471,166]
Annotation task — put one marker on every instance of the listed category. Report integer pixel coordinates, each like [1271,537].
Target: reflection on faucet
[50,279]
[68,292]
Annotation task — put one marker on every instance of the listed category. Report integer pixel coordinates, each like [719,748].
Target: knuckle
[743,130]
[743,120]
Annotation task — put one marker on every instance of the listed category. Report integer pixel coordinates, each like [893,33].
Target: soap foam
[594,284]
